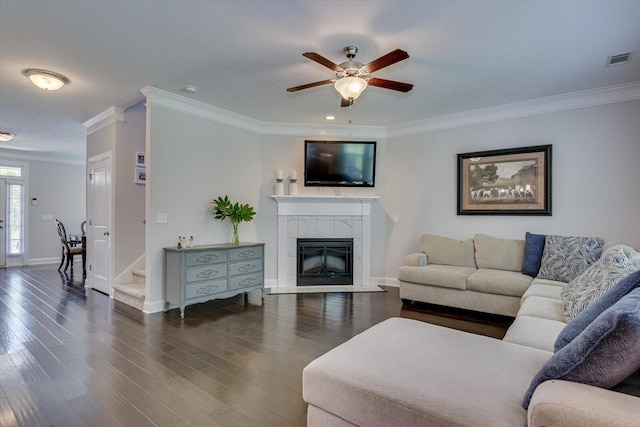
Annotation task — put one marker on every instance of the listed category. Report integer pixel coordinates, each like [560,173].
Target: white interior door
[3,223]
[99,220]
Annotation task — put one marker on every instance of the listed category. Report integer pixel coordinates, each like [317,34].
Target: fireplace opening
[325,261]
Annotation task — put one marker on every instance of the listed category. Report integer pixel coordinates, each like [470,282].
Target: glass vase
[235,240]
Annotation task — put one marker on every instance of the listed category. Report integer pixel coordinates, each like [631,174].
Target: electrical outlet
[46,217]
[396,218]
[161,218]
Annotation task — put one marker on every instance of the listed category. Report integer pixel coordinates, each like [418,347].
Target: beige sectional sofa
[402,372]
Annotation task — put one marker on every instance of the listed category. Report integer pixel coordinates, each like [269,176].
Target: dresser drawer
[239,254]
[205,257]
[205,289]
[209,272]
[252,266]
[245,281]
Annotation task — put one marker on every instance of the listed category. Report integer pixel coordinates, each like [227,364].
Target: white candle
[294,174]
[279,174]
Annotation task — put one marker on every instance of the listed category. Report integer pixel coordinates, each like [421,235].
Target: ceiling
[242,55]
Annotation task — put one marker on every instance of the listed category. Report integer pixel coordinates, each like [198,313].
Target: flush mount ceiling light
[6,136]
[47,80]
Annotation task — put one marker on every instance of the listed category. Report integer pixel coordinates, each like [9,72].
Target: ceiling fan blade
[322,61]
[385,60]
[308,85]
[390,84]
[346,102]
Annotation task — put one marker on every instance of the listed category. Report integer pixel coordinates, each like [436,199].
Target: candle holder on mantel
[293,183]
[293,186]
[279,187]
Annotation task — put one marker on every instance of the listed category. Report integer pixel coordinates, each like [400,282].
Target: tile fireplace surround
[324,216]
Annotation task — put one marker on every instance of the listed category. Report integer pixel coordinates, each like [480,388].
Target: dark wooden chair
[69,251]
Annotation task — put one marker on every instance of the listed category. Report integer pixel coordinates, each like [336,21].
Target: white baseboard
[153,306]
[388,281]
[40,261]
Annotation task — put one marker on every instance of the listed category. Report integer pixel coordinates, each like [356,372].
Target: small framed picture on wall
[141,176]
[140,159]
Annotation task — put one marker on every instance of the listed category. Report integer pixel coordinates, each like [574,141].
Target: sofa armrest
[567,404]
[416,260]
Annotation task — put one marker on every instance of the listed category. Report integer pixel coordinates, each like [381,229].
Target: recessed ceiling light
[47,80]
[330,117]
[190,88]
[6,136]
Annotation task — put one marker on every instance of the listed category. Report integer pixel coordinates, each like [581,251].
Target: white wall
[596,152]
[129,210]
[192,160]
[60,191]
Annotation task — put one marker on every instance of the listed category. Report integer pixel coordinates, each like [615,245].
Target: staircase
[131,293]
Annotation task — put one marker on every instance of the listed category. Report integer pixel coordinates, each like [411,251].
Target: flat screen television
[339,163]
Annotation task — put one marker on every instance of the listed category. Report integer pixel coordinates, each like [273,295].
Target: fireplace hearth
[324,261]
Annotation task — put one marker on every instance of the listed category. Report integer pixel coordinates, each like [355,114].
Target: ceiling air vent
[623,58]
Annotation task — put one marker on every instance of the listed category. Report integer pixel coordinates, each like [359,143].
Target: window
[15,219]
[13,180]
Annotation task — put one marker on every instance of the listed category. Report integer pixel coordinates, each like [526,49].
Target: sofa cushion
[564,257]
[539,281]
[603,355]
[498,282]
[532,257]
[545,308]
[534,332]
[589,314]
[446,251]
[541,290]
[445,276]
[595,281]
[403,372]
[498,254]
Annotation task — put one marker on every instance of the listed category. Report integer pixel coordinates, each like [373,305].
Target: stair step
[133,289]
[139,275]
[130,293]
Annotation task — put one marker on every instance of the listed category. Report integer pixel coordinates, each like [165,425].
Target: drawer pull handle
[248,281]
[246,268]
[206,290]
[207,258]
[246,254]
[206,274]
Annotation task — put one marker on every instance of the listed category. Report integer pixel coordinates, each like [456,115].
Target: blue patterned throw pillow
[584,319]
[603,355]
[595,281]
[564,257]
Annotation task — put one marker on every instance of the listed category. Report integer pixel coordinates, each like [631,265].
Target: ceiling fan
[353,77]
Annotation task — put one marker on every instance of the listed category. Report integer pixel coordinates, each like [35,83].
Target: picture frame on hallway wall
[514,181]
[140,159]
[141,176]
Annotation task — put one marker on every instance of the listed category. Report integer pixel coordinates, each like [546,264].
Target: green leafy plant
[223,208]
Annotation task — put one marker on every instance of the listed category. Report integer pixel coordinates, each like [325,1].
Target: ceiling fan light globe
[350,87]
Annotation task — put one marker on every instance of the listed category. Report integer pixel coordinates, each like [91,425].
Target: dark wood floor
[73,357]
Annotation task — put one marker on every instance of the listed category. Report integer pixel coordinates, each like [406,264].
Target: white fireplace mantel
[327,211]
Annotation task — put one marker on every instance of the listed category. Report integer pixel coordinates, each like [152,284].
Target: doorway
[99,208]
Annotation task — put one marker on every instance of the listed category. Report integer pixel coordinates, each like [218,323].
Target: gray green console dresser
[203,273]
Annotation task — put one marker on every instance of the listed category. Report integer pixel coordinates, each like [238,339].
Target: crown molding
[67,159]
[171,101]
[551,104]
[107,117]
